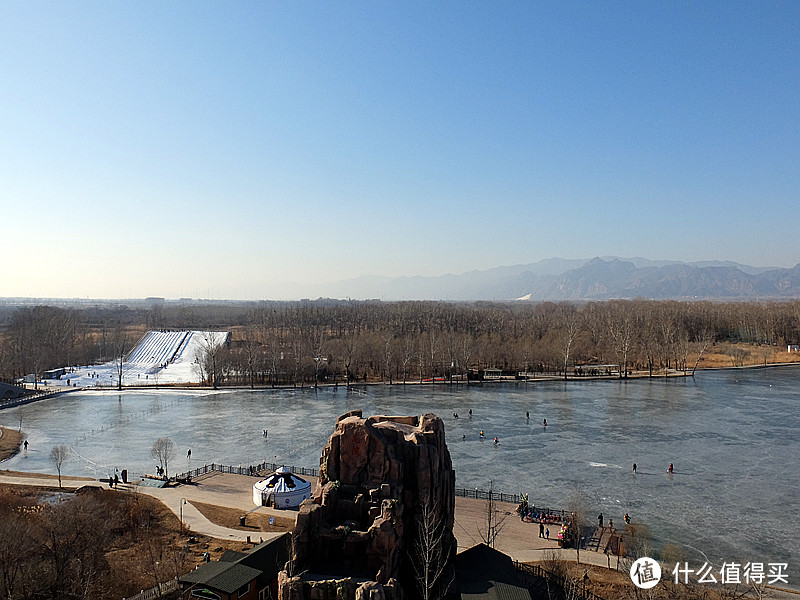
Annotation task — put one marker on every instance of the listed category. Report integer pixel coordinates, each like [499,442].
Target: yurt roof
[283,480]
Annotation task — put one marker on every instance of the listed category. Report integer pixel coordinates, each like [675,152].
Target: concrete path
[178,499]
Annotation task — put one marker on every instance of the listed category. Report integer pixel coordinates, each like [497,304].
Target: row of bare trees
[297,343]
[62,549]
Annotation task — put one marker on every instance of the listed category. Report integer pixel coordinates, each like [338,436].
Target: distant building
[54,374]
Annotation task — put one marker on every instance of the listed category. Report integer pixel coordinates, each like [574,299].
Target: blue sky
[219,149]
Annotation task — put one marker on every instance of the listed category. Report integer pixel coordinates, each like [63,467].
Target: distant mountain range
[552,279]
[605,278]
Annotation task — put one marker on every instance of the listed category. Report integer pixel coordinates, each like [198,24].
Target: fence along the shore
[259,469]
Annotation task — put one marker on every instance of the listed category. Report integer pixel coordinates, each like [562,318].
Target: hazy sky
[216,149]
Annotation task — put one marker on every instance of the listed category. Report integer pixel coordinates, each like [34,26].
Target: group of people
[113,480]
[481,435]
[531,514]
[670,469]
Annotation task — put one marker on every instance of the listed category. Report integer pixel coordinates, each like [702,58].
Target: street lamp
[183,501]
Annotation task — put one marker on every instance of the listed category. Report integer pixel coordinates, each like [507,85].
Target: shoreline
[637,375]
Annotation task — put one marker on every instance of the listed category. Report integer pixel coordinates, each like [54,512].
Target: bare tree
[163,451]
[705,339]
[569,324]
[120,350]
[209,356]
[494,519]
[251,349]
[621,329]
[58,455]
[430,553]
[16,547]
[578,506]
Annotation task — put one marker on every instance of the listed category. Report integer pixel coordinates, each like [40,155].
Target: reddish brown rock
[375,473]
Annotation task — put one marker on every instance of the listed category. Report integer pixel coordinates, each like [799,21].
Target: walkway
[171,497]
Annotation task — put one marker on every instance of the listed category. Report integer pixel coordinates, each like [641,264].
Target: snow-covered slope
[161,357]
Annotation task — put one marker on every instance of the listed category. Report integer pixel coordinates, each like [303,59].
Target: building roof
[485,573]
[236,569]
[493,590]
[232,556]
[225,577]
[482,563]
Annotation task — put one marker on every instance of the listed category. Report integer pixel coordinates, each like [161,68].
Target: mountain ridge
[598,278]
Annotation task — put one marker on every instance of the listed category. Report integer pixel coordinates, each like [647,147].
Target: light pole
[183,501]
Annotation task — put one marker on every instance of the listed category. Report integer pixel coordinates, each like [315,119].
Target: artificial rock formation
[356,536]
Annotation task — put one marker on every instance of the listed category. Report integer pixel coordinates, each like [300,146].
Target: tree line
[330,341]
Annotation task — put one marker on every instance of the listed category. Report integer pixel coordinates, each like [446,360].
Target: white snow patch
[160,358]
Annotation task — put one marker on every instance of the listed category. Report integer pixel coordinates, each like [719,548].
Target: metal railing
[33,397]
[479,494]
[260,468]
[251,470]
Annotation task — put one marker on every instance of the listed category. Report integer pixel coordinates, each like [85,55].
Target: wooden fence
[572,588]
[157,591]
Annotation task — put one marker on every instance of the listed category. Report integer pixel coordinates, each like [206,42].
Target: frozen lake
[732,436]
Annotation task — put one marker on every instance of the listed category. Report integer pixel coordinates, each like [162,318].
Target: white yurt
[282,489]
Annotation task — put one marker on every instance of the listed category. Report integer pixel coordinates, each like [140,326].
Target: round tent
[283,489]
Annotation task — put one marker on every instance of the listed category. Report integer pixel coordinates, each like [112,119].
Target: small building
[251,575]
[483,573]
[54,373]
[492,373]
[282,489]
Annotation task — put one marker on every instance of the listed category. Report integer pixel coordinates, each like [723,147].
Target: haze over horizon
[221,150]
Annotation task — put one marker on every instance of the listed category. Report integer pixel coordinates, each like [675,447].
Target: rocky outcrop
[376,474]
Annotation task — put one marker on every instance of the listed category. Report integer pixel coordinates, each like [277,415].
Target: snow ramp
[159,349]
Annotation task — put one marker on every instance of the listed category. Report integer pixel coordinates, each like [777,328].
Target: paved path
[178,499]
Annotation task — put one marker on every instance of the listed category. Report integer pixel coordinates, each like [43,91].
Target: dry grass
[604,582]
[229,517]
[136,562]
[10,442]
[721,355]
[176,552]
[25,474]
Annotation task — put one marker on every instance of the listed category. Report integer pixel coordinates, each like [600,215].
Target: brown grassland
[10,442]
[143,543]
[255,522]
